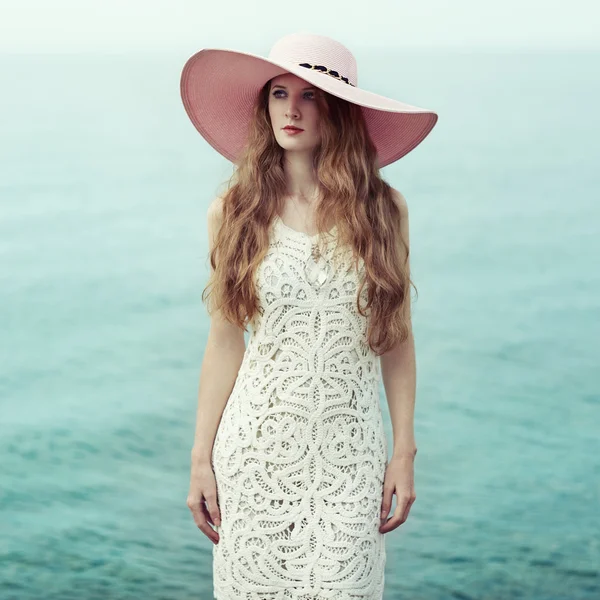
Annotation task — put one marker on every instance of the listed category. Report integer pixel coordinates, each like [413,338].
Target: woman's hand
[399,479]
[202,498]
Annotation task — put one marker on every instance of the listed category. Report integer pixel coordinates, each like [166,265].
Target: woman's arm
[398,369]
[398,372]
[223,356]
[220,365]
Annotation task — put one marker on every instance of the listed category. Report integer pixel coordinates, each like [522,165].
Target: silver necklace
[316,267]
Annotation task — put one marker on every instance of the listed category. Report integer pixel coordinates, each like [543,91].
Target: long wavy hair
[353,196]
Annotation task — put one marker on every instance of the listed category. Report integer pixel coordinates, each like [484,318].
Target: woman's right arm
[222,359]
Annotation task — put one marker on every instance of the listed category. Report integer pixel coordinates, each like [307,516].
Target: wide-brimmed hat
[219,87]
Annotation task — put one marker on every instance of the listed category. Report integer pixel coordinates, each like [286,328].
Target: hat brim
[219,87]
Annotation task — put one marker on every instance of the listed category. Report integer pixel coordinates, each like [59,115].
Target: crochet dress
[300,452]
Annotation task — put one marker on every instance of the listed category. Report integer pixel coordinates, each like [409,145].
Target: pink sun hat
[219,87]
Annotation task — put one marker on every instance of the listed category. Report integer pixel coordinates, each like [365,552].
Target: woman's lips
[292,131]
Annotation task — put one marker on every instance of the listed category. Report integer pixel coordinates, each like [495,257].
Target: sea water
[104,188]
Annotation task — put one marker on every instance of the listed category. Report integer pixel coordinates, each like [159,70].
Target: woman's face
[292,101]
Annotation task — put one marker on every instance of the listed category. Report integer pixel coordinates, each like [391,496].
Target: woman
[290,474]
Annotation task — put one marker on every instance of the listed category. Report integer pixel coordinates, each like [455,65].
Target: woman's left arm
[399,375]
[398,371]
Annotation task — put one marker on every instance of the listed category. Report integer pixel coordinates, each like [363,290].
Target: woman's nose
[292,112]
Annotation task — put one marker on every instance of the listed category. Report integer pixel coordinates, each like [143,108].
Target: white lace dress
[300,452]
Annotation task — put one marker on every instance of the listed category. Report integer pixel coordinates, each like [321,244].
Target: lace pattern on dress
[300,451]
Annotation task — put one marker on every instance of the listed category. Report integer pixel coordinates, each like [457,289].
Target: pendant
[316,268]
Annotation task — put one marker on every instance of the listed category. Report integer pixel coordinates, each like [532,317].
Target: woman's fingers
[202,499]
[213,508]
[194,503]
[386,502]
[408,507]
[400,515]
[395,520]
[210,533]
[199,513]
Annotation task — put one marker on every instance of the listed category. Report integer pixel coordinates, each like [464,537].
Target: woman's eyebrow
[283,87]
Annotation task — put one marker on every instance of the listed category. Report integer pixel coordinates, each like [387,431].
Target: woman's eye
[310,94]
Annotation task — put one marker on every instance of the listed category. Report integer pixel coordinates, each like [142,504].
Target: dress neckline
[300,234]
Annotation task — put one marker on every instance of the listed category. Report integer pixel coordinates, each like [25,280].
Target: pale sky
[161,25]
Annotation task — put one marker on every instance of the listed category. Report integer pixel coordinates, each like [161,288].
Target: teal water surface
[104,186]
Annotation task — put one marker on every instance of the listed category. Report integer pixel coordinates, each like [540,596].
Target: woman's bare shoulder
[400,200]
[215,209]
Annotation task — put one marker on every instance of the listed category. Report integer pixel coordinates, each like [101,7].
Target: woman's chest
[296,274]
